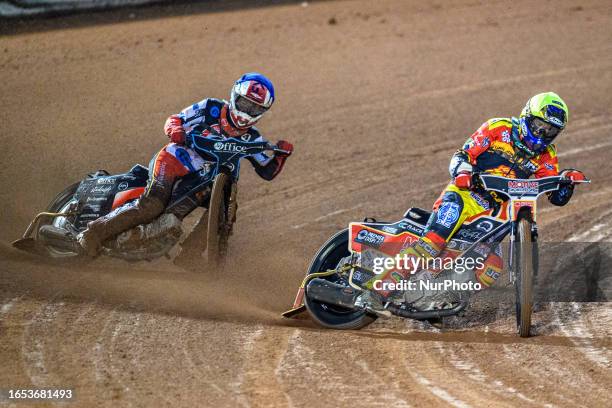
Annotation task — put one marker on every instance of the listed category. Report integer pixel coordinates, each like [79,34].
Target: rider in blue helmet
[251,96]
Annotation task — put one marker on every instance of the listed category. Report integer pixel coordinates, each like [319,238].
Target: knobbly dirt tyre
[217,234]
[331,316]
[524,272]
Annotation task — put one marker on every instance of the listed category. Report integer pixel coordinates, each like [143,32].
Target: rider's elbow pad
[459,162]
[561,196]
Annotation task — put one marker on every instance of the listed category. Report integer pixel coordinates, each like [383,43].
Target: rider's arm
[179,124]
[268,167]
[478,143]
[173,128]
[549,166]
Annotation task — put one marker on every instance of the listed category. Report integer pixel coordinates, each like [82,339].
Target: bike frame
[225,154]
[522,196]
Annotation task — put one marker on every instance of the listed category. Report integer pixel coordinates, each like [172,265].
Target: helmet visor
[543,130]
[556,116]
[249,107]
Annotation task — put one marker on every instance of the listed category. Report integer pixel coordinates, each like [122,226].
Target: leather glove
[174,130]
[572,175]
[463,180]
[284,145]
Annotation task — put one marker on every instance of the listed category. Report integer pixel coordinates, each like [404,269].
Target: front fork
[512,249]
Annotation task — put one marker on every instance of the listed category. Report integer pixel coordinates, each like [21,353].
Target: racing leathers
[495,149]
[208,118]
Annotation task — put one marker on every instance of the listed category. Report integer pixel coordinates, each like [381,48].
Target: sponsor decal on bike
[408,226]
[492,273]
[390,230]
[228,147]
[433,252]
[122,186]
[549,166]
[485,225]
[95,199]
[101,189]
[369,238]
[522,187]
[106,180]
[448,214]
[482,250]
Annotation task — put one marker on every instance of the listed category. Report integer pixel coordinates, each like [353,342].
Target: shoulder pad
[499,122]
[213,107]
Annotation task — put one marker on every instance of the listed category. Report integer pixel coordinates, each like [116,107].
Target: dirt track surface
[375,104]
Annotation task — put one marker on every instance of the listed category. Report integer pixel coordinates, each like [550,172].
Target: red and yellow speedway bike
[335,289]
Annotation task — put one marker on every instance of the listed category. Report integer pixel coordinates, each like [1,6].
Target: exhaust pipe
[332,293]
[58,238]
[346,296]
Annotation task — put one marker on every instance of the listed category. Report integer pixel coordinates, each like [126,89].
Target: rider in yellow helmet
[509,147]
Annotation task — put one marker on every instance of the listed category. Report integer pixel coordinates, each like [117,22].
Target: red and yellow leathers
[494,148]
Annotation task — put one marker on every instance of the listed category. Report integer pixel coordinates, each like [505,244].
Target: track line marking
[32,348]
[8,306]
[478,375]
[581,336]
[439,392]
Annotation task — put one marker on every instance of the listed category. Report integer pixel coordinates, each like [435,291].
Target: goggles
[249,107]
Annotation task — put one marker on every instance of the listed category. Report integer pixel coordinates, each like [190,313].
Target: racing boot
[141,211]
[193,246]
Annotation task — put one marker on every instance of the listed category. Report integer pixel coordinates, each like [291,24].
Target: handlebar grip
[277,150]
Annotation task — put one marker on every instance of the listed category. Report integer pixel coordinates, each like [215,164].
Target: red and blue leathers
[207,118]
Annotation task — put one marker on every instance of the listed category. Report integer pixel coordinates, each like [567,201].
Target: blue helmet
[252,95]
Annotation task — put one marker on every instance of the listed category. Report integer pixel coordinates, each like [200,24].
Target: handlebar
[190,140]
[524,187]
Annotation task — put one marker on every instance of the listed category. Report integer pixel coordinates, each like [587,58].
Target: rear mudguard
[298,304]
[332,243]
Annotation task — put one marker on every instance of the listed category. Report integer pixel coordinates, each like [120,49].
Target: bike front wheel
[524,262]
[218,229]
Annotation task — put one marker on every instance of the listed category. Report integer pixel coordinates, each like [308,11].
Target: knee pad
[445,217]
[150,206]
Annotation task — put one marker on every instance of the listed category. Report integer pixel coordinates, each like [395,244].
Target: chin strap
[516,140]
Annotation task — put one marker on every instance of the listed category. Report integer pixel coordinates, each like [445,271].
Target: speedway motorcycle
[53,232]
[335,290]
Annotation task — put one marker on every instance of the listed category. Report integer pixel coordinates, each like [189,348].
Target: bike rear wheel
[524,252]
[327,315]
[218,230]
[59,204]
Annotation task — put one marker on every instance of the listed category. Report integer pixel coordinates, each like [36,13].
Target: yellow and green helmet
[544,116]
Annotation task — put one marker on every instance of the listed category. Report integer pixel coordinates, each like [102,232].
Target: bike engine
[148,241]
